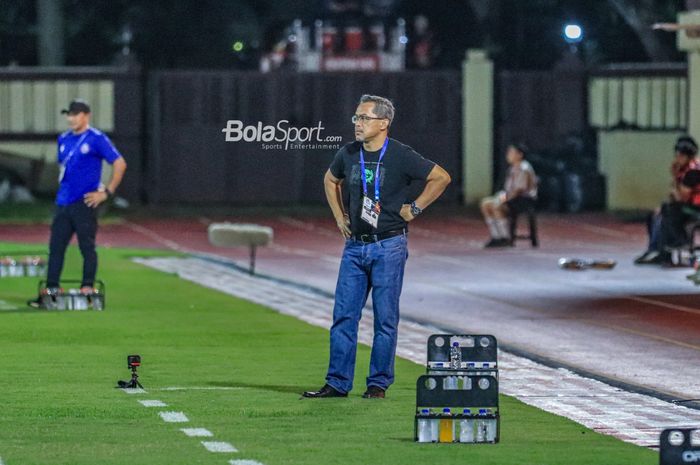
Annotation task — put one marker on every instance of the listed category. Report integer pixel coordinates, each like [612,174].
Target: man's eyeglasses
[363,119]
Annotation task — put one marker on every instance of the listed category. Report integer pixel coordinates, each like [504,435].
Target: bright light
[237,46]
[573,33]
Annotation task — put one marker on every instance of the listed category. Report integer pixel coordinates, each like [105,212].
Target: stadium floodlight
[238,46]
[573,33]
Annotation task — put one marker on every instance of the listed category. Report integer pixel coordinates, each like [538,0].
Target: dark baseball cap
[76,106]
[687,146]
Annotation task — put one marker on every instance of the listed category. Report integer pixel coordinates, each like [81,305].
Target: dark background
[518,34]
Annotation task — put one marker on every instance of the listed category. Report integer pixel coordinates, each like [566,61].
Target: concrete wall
[637,167]
[478,100]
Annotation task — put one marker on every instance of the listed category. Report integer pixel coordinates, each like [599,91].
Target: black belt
[369,238]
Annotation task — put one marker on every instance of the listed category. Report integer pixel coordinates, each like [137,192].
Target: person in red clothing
[685,151]
[675,215]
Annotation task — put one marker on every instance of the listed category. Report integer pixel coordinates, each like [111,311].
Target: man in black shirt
[377,172]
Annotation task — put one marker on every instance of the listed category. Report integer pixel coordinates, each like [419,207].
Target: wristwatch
[415,209]
[109,193]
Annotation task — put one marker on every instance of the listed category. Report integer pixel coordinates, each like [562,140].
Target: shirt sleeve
[106,149]
[337,167]
[417,167]
[691,178]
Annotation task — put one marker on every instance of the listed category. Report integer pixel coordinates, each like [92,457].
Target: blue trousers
[81,220]
[377,267]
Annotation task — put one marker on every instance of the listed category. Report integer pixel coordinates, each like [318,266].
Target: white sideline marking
[199,388]
[153,403]
[173,417]
[4,305]
[213,446]
[134,391]
[197,432]
[244,462]
[680,308]
[524,379]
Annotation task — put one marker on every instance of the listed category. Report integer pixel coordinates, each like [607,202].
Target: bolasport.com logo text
[281,136]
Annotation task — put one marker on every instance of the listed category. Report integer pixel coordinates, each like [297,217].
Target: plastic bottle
[97,300]
[424,427]
[491,427]
[71,299]
[15,269]
[80,301]
[455,356]
[466,427]
[434,429]
[450,383]
[447,426]
[60,298]
[481,426]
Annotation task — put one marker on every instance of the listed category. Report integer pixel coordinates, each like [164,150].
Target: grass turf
[59,405]
[41,211]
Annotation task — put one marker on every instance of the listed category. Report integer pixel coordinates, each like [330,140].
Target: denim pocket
[397,242]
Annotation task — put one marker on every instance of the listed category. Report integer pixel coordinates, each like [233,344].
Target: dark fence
[190,161]
[540,108]
[170,130]
[547,111]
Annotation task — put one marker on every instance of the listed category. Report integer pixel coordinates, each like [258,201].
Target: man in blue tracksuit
[80,154]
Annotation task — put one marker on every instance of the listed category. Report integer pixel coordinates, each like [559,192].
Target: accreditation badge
[61,171]
[370,211]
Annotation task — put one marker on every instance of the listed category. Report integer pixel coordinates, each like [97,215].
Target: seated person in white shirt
[519,192]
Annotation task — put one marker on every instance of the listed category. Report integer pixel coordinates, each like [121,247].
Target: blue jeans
[377,267]
[81,220]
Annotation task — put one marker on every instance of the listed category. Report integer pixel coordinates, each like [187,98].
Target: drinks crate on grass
[679,446]
[20,264]
[72,298]
[465,410]
[457,400]
[468,353]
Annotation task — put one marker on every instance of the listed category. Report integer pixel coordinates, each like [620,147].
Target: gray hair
[383,107]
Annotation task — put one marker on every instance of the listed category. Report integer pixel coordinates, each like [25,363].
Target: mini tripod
[134,383]
[133,361]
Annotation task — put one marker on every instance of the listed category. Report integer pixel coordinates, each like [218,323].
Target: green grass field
[41,211]
[59,404]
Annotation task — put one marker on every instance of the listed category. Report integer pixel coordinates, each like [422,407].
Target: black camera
[133,361]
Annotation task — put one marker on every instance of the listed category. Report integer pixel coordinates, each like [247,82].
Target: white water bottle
[466,427]
[434,429]
[450,383]
[424,427]
[71,299]
[491,426]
